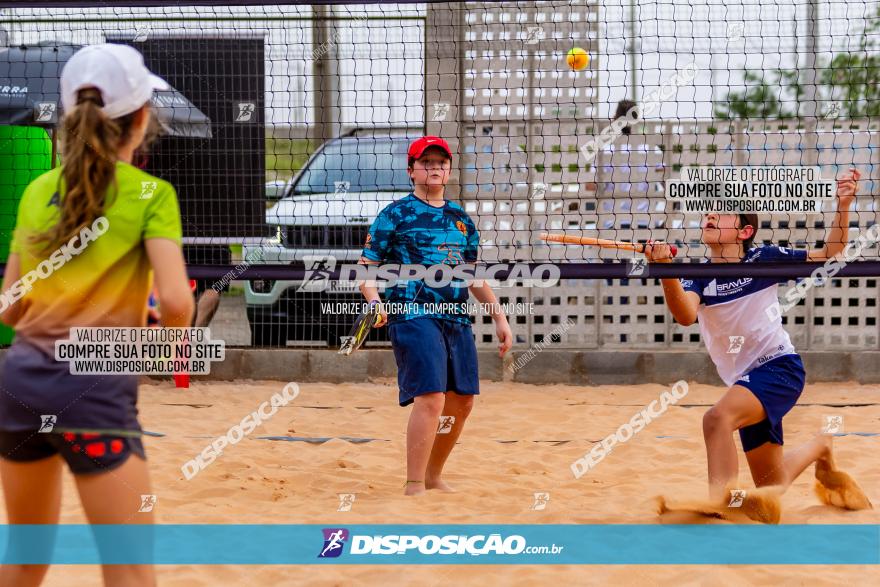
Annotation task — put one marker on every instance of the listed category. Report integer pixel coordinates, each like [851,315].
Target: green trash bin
[25,153]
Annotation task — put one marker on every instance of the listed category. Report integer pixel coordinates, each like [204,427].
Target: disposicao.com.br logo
[334,541]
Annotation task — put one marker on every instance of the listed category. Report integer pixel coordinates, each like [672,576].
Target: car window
[357,165]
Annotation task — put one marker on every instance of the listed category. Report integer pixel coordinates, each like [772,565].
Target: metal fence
[495,90]
[487,76]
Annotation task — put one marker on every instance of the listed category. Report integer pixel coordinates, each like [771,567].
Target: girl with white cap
[115,227]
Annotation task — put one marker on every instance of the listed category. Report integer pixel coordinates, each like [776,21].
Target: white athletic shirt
[733,315]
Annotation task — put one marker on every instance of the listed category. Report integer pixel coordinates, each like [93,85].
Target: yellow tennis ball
[577,59]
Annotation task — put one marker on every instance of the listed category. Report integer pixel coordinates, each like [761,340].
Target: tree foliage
[847,85]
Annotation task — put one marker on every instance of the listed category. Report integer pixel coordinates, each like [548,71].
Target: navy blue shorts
[33,383]
[777,384]
[434,355]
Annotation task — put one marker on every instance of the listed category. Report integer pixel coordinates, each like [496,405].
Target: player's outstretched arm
[837,236]
[682,304]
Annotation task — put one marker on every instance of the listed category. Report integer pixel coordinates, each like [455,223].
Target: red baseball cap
[418,146]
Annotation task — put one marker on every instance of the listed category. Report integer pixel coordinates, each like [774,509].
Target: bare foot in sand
[762,504]
[414,488]
[834,487]
[440,484]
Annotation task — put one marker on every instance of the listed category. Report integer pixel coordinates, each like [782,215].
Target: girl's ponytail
[89,144]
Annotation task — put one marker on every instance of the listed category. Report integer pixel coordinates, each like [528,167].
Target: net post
[325,73]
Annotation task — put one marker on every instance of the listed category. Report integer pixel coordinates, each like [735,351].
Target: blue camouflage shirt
[413,232]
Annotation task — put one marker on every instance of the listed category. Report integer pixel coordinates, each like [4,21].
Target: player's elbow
[177,309]
[683,307]
[8,317]
[685,318]
[6,313]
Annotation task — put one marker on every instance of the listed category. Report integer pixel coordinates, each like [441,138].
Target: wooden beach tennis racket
[599,242]
[362,326]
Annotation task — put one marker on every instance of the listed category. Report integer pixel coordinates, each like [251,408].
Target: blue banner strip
[442,544]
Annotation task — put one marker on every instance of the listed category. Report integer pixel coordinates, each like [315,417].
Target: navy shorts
[777,384]
[90,420]
[434,355]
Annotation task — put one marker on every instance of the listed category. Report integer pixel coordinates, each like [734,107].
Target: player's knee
[463,403]
[431,403]
[715,420]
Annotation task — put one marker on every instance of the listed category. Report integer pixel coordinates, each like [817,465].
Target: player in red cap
[430,325]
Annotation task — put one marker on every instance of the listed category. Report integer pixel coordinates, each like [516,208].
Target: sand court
[519,441]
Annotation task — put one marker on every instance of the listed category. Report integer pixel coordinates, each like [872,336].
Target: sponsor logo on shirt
[753,254]
[780,350]
[726,288]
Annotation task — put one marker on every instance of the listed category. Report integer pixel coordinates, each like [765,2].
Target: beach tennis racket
[366,321]
[599,242]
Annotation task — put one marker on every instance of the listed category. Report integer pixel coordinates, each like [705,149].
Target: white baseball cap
[117,71]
